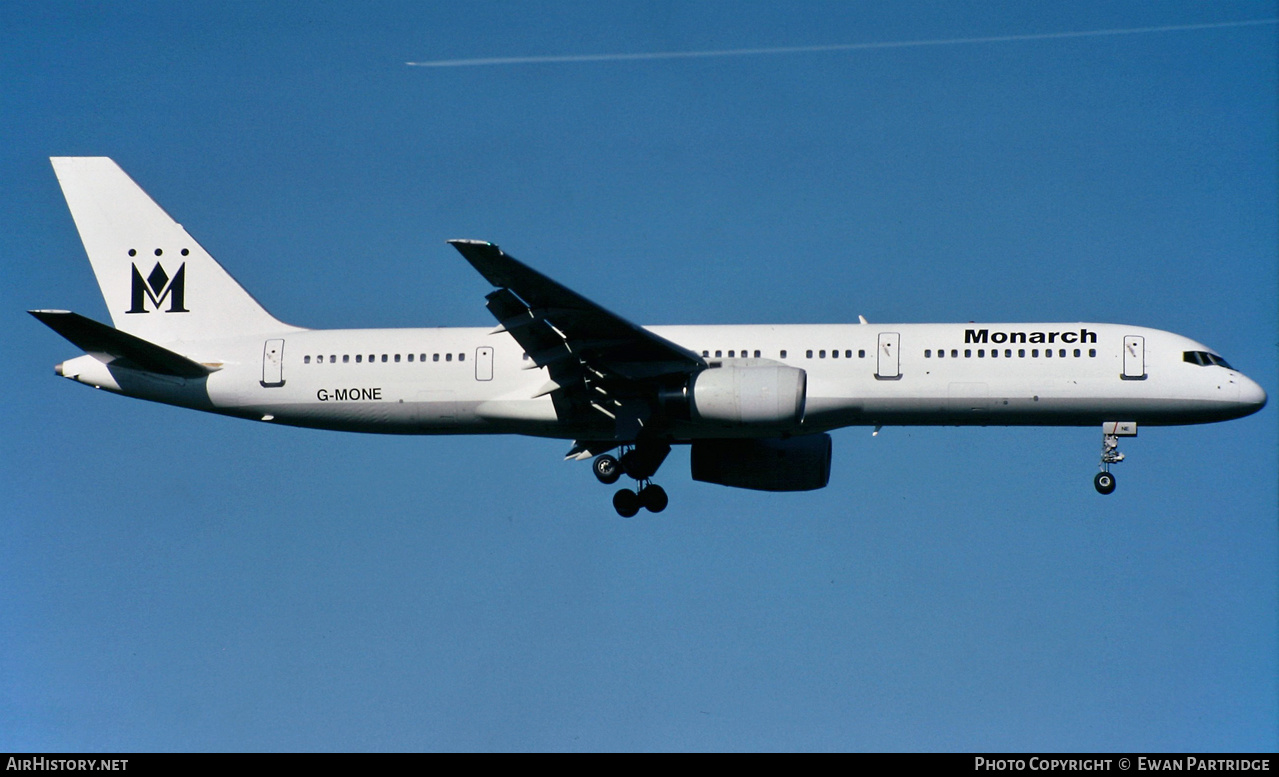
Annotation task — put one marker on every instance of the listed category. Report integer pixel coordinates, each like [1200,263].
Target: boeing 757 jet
[756,403]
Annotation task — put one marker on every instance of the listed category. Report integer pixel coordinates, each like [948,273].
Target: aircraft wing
[594,356]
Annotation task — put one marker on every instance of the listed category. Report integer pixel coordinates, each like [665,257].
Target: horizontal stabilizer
[111,345]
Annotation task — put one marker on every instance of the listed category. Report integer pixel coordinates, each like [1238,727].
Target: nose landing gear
[1111,431]
[1104,482]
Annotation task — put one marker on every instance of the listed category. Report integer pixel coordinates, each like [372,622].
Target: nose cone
[1251,395]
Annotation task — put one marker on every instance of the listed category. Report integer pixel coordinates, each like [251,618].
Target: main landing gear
[640,463]
[651,497]
[1111,431]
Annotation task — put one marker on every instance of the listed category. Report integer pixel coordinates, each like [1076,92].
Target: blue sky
[179,581]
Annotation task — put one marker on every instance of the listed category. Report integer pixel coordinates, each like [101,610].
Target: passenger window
[941,353]
[397,358]
[461,357]
[848,354]
[306,359]
[731,354]
[1021,353]
[1008,353]
[834,354]
[1061,352]
[435,357]
[968,353]
[525,356]
[994,353]
[1048,353]
[383,357]
[1092,352]
[359,357]
[719,354]
[1076,353]
[808,355]
[783,353]
[1034,353]
[981,353]
[861,354]
[333,359]
[448,357]
[822,353]
[706,354]
[410,357]
[954,353]
[346,358]
[757,354]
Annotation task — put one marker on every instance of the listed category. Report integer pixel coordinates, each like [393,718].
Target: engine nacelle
[792,464]
[765,395]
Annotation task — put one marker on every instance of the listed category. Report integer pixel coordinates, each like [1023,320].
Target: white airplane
[754,402]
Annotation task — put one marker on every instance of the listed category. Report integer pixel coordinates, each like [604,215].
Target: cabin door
[888,366]
[273,364]
[1134,357]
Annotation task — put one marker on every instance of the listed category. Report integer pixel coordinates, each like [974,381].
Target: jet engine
[764,395]
[791,464]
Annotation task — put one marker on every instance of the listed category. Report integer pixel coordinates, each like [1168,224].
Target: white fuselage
[472,381]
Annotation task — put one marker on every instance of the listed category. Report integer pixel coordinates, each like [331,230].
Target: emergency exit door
[484,363]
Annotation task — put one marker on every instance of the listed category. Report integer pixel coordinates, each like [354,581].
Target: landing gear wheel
[653,498]
[1105,482]
[626,502]
[607,469]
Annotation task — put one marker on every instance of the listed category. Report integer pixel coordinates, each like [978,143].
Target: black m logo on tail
[156,287]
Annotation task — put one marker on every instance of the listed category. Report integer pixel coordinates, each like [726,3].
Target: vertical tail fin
[159,284]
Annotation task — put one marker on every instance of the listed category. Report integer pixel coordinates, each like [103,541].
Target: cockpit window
[1205,359]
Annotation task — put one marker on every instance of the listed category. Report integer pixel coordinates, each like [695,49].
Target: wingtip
[473,249]
[42,314]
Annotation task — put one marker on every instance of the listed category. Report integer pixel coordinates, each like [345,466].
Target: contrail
[901,44]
